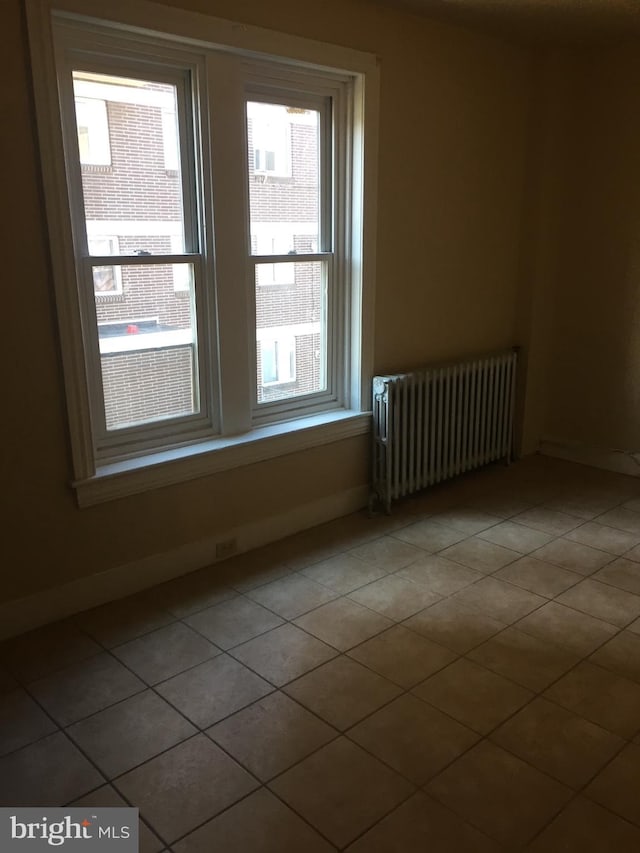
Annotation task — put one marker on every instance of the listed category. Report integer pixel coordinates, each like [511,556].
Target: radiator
[436,422]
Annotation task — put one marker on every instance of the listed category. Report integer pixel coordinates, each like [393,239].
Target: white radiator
[436,422]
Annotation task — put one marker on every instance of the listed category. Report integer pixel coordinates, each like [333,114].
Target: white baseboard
[23,614]
[620,461]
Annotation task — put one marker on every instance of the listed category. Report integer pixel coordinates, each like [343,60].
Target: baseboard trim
[33,611]
[619,461]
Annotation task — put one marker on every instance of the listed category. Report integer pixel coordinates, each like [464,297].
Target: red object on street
[132,329]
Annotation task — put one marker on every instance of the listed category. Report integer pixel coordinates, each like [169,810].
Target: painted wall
[452,157]
[594,394]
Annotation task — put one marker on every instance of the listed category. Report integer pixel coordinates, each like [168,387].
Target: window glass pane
[284,178]
[147,337]
[129,152]
[291,332]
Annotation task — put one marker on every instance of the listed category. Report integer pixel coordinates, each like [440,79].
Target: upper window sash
[104,60]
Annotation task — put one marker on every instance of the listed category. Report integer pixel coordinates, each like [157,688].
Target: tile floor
[463,675]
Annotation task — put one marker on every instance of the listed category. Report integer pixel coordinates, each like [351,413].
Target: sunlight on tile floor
[461,676]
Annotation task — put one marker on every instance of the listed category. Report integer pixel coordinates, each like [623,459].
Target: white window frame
[237,439]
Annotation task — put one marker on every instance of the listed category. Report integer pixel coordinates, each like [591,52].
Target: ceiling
[537,22]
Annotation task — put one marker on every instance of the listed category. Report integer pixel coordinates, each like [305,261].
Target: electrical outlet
[226,548]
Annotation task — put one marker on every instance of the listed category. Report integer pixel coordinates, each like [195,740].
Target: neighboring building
[131,178]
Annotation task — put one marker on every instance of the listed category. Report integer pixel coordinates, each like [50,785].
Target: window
[93,132]
[278,360]
[107,280]
[270,135]
[197,357]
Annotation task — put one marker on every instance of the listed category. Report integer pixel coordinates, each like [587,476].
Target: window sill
[165,468]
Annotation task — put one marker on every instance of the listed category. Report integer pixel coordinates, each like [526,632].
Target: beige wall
[452,151]
[594,380]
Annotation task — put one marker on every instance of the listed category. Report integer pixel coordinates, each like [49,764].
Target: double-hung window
[229,169]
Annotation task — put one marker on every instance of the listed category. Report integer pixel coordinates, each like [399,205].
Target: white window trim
[95,484]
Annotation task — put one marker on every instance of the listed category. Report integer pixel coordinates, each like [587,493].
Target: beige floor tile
[251,570]
[478,554]
[499,600]
[84,688]
[603,601]
[258,824]
[585,827]
[441,576]
[474,695]
[122,620]
[129,733]
[388,552]
[185,786]
[616,787]
[621,654]
[621,573]
[451,624]
[622,519]
[634,627]
[607,699]
[516,537]
[414,738]
[548,520]
[284,654]
[214,690]
[499,794]
[271,735]
[341,790]
[343,623]
[573,556]
[342,691]
[193,592]
[343,573]
[233,622]
[396,597]
[108,797]
[429,535]
[556,741]
[570,628]
[466,519]
[529,661]
[504,504]
[584,503]
[165,652]
[419,825]
[21,721]
[46,650]
[49,772]
[539,577]
[292,596]
[402,656]
[603,537]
